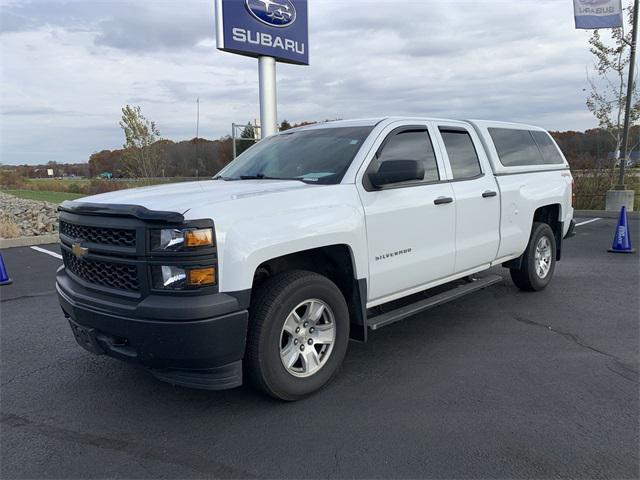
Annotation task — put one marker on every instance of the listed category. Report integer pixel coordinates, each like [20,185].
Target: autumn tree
[608,82]
[224,153]
[143,148]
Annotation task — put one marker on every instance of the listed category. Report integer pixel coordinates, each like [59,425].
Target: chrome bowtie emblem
[78,250]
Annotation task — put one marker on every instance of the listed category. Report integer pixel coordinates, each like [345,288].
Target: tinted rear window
[548,149]
[515,147]
[462,154]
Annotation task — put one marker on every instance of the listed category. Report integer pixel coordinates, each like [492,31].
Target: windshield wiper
[262,176]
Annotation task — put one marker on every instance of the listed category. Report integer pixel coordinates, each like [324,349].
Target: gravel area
[25,218]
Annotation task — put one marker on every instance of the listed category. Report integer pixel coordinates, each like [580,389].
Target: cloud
[37,112]
[68,66]
[26,15]
[142,30]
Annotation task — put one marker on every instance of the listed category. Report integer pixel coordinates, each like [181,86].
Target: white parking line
[48,252]
[587,221]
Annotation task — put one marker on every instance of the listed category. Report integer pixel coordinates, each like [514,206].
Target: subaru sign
[271,28]
[592,14]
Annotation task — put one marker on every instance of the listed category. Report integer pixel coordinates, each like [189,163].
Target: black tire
[270,307]
[527,278]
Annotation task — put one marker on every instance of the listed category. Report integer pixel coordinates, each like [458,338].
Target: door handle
[489,193]
[443,200]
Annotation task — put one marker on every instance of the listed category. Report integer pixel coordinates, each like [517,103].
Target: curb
[603,214]
[28,241]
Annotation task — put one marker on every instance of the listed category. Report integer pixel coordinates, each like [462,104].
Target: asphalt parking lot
[500,384]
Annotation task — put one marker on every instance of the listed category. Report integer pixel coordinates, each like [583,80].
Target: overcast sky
[67,68]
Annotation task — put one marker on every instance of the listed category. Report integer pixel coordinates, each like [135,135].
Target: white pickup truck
[311,237]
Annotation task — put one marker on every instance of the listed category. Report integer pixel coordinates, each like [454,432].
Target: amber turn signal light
[202,237]
[197,277]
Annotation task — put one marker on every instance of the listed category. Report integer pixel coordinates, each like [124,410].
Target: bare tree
[608,84]
[143,145]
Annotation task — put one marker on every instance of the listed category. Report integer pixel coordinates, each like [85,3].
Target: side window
[414,144]
[548,149]
[515,147]
[462,153]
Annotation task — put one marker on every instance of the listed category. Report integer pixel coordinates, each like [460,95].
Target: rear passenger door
[476,196]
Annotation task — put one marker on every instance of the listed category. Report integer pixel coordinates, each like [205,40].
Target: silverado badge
[78,250]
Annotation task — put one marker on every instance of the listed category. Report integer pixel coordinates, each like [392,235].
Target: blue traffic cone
[621,240]
[4,275]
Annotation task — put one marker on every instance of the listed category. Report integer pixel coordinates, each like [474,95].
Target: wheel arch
[337,263]
[551,214]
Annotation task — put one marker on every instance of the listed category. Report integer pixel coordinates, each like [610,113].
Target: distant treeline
[593,148]
[189,158]
[200,157]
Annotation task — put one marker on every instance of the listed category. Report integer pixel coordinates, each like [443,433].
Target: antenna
[198,117]
[197,135]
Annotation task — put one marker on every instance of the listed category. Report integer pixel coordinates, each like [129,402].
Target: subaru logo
[275,13]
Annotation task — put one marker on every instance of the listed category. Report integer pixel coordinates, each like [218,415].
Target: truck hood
[180,197]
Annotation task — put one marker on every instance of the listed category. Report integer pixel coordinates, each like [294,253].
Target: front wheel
[538,261]
[298,334]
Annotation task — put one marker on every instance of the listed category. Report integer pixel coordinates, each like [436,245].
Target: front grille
[114,275]
[107,236]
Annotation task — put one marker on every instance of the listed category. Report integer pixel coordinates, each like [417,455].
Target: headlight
[175,240]
[168,277]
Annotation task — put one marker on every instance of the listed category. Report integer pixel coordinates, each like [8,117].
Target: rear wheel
[538,261]
[298,334]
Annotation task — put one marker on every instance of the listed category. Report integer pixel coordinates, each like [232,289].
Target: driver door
[410,225]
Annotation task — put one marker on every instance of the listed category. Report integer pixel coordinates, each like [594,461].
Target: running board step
[384,319]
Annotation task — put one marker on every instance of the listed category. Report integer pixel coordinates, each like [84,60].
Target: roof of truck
[370,122]
[356,122]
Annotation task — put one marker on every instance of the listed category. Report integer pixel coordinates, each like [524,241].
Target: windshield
[313,156]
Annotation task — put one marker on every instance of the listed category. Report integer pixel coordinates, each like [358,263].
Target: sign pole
[233,139]
[630,82]
[268,97]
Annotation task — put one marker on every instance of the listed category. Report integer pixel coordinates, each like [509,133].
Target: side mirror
[396,171]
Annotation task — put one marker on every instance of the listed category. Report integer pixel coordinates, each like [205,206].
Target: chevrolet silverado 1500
[308,239]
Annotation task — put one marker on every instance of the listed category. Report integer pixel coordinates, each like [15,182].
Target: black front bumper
[194,341]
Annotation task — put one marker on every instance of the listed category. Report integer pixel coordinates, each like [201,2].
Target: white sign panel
[591,14]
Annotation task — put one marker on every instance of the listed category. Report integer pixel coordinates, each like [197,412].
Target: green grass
[59,180]
[43,195]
